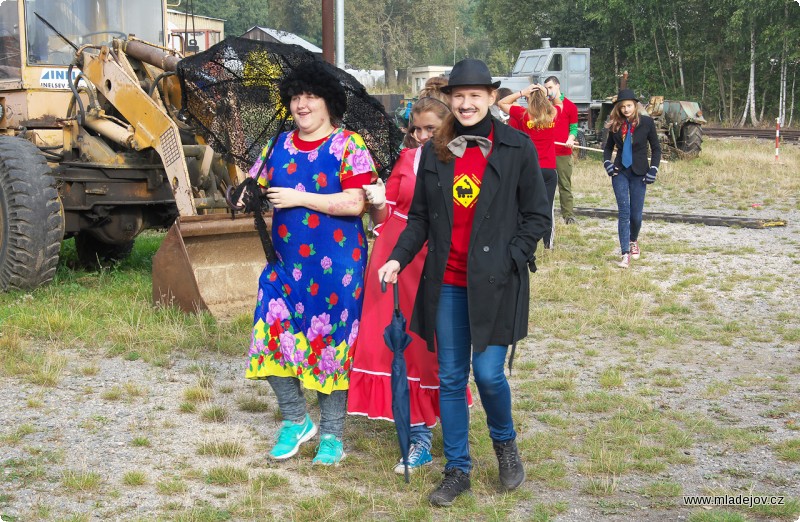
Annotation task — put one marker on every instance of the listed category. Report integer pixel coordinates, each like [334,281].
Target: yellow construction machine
[92,147]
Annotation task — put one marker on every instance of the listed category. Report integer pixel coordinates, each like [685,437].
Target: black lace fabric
[230,95]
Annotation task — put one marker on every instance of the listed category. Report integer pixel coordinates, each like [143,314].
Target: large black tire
[691,139]
[581,140]
[31,221]
[93,253]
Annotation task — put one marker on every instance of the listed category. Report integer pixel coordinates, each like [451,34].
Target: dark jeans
[629,190]
[550,183]
[454,347]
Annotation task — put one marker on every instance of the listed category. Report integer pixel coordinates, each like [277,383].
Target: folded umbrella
[397,339]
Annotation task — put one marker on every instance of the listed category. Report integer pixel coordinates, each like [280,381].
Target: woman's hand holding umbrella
[388,272]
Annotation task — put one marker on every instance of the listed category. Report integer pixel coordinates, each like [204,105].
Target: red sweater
[544,138]
[467,178]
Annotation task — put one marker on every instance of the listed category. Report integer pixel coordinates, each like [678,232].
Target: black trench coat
[512,213]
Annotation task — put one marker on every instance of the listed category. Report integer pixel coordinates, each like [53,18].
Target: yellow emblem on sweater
[466,188]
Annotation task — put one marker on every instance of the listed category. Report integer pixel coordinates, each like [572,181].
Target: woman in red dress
[370,377]
[537,121]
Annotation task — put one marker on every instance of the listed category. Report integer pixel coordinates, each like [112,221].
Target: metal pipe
[112,131]
[152,55]
[327,31]
[340,34]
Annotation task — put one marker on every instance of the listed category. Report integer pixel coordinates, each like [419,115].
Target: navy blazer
[643,134]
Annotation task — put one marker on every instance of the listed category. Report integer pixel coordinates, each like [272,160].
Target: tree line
[738,58]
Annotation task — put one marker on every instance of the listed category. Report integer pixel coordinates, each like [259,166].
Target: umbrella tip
[407,474]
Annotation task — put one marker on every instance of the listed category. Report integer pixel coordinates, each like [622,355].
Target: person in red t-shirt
[481,205]
[538,122]
[567,133]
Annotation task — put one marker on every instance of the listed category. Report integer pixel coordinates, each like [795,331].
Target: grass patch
[141,442]
[611,378]
[252,405]
[134,478]
[226,449]
[18,434]
[662,488]
[716,515]
[226,475]
[81,481]
[197,394]
[788,450]
[171,486]
[214,414]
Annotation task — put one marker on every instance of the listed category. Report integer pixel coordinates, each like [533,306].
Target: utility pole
[340,34]
[327,31]
[455,28]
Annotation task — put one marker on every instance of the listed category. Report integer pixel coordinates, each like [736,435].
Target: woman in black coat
[630,172]
[481,205]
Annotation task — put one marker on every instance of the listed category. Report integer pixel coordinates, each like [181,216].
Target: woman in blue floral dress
[309,301]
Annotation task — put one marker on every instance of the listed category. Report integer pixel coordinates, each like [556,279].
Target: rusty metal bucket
[211,263]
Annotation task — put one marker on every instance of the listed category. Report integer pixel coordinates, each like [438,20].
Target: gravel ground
[77,429]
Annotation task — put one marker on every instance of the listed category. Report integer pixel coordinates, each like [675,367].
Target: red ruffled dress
[370,378]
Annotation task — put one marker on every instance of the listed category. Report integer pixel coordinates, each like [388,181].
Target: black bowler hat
[469,72]
[626,94]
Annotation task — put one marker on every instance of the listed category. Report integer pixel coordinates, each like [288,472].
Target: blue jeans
[422,435]
[629,190]
[454,347]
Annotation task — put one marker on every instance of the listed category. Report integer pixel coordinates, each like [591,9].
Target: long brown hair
[540,110]
[431,99]
[446,134]
[616,119]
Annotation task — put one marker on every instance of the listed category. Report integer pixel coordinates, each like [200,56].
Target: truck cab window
[576,62]
[9,41]
[555,63]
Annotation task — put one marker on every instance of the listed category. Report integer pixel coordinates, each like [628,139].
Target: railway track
[724,132]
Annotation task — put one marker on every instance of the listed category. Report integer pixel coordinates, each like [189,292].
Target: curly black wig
[315,78]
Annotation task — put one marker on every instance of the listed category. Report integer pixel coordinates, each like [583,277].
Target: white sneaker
[635,250]
[625,262]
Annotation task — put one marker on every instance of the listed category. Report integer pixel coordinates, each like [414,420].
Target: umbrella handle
[396,296]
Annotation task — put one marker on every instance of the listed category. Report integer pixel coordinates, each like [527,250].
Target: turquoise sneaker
[290,438]
[331,451]
[418,456]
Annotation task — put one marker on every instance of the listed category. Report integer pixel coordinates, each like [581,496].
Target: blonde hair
[616,119]
[540,110]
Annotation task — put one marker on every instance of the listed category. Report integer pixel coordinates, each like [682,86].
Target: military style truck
[679,122]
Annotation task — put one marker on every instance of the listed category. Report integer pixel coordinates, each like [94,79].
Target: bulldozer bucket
[211,263]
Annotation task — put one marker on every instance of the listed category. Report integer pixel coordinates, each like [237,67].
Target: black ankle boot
[454,483]
[512,474]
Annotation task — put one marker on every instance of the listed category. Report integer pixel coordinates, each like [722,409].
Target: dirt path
[111,416]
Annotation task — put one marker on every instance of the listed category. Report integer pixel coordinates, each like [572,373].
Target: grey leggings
[292,404]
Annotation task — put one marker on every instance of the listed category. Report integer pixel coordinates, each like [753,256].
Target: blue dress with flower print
[309,302]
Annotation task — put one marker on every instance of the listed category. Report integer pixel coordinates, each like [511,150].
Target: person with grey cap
[481,205]
[630,172]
